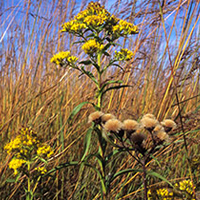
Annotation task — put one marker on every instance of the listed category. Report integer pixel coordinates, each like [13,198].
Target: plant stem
[29,182]
[144,179]
[99,103]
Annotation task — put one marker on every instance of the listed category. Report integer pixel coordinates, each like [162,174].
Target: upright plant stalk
[29,181]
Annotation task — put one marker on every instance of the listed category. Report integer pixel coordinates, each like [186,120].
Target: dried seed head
[158,128]
[113,126]
[107,117]
[149,116]
[162,136]
[168,125]
[130,126]
[138,138]
[149,123]
[95,117]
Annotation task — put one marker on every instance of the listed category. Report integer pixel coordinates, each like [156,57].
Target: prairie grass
[163,75]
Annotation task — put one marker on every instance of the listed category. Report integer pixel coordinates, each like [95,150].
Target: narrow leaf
[87,143]
[76,110]
[152,173]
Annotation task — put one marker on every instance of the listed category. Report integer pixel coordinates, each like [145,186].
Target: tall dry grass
[33,92]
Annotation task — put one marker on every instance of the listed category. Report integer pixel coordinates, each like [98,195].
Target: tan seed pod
[168,125]
[107,117]
[95,117]
[113,126]
[149,116]
[162,135]
[149,123]
[130,126]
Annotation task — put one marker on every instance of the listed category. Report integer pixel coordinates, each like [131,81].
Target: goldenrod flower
[123,54]
[15,164]
[73,27]
[44,150]
[41,170]
[185,185]
[63,57]
[92,46]
[161,193]
[124,28]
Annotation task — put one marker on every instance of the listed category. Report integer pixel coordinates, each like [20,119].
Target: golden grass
[33,92]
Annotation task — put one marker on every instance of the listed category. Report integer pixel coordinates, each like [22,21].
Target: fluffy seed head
[95,117]
[158,128]
[168,125]
[113,125]
[130,126]
[162,135]
[149,116]
[138,138]
[149,123]
[107,117]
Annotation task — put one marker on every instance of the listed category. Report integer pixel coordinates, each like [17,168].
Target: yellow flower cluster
[41,170]
[123,54]
[97,17]
[92,46]
[161,193]
[15,164]
[63,57]
[73,27]
[25,148]
[44,150]
[124,28]
[185,185]
[23,143]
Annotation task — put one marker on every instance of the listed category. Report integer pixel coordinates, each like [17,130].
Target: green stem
[29,181]
[99,103]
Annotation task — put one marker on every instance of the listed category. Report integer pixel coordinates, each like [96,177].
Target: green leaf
[103,186]
[78,42]
[110,82]
[123,172]
[86,62]
[152,173]
[10,180]
[115,88]
[90,75]
[87,142]
[76,110]
[59,167]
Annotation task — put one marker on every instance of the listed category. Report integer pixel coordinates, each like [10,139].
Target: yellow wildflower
[63,57]
[92,46]
[123,54]
[41,170]
[15,164]
[44,150]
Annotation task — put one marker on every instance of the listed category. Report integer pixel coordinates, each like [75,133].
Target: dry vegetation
[164,77]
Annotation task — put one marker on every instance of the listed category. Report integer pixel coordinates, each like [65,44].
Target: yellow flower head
[92,46]
[123,54]
[44,150]
[73,27]
[41,170]
[15,164]
[63,57]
